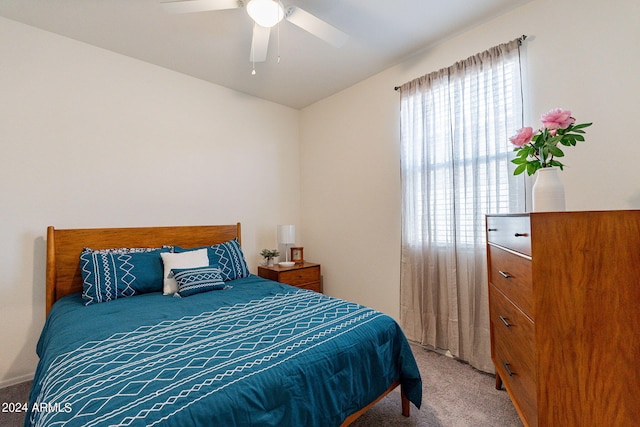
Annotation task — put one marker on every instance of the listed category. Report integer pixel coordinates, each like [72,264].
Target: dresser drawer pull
[507,367]
[505,275]
[521,234]
[492,229]
[505,321]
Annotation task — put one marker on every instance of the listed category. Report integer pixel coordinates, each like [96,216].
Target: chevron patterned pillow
[110,274]
[199,279]
[229,258]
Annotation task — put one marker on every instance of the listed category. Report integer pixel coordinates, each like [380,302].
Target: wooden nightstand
[306,276]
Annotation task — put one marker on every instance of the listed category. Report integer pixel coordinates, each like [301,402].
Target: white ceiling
[215,46]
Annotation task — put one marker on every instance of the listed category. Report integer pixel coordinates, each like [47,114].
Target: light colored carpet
[13,394]
[454,395]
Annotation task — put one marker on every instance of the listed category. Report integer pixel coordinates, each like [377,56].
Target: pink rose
[522,137]
[557,119]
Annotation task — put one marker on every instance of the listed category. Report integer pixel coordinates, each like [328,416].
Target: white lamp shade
[266,13]
[286,234]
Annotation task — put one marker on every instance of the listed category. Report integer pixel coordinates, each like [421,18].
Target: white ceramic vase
[548,191]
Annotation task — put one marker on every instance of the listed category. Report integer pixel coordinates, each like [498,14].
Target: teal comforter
[258,354]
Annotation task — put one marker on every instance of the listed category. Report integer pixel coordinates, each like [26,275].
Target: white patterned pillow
[188,259]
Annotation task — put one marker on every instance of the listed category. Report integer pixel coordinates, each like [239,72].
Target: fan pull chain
[278,42]
[253,57]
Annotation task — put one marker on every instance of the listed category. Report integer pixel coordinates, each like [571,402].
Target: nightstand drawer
[512,275]
[304,276]
[300,276]
[312,286]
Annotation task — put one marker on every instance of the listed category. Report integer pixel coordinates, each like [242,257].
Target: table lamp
[286,237]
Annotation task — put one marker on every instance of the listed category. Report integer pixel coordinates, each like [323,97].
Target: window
[455,151]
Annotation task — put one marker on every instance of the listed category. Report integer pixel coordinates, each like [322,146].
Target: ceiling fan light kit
[265,13]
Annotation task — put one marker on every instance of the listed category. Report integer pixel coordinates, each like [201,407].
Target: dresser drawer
[512,275]
[301,276]
[520,384]
[514,352]
[511,232]
[510,324]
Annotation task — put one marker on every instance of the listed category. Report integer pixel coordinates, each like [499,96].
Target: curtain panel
[455,162]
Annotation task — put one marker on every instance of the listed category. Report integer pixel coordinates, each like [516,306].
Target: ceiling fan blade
[316,26]
[190,6]
[259,43]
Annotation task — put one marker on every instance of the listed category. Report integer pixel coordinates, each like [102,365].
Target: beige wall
[89,138]
[580,55]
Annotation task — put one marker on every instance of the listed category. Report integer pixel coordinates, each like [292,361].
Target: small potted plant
[269,255]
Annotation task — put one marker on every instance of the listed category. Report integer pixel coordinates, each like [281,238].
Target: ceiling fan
[265,14]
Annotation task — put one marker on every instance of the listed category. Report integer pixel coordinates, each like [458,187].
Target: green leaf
[556,151]
[578,137]
[519,160]
[582,126]
[566,142]
[520,169]
[545,154]
[532,167]
[554,140]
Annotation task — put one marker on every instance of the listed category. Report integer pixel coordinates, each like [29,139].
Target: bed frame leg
[406,411]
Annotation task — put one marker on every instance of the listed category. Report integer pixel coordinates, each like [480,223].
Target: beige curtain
[455,125]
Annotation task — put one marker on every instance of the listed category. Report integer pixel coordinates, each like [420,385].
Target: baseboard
[16,380]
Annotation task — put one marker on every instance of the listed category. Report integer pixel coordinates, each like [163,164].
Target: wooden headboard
[64,248]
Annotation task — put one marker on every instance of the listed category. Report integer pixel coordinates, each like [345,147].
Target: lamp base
[286,264]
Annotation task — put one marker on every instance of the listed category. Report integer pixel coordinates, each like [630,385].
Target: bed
[248,352]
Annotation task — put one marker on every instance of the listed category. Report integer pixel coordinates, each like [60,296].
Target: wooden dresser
[305,275]
[564,299]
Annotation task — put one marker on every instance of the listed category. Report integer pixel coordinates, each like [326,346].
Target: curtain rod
[520,39]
